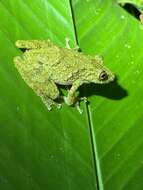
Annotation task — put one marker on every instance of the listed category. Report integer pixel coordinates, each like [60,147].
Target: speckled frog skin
[44,65]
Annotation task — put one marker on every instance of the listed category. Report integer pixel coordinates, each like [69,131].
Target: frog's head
[104,76]
[99,74]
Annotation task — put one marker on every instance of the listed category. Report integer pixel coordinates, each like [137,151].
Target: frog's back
[59,64]
[68,66]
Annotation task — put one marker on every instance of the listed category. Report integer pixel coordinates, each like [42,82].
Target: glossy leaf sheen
[38,149]
[61,149]
[117,117]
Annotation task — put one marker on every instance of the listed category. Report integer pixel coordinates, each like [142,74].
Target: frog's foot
[50,104]
[68,45]
[85,99]
[77,105]
[77,48]
[58,106]
[65,100]
[17,60]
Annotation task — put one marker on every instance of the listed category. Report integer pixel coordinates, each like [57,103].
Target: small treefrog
[44,65]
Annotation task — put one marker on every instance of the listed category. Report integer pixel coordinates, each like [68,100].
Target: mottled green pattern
[44,65]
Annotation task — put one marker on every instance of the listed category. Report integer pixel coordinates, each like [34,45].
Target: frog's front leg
[68,45]
[70,99]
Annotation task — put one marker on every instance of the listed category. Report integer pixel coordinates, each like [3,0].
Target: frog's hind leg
[19,64]
[48,92]
[43,87]
[33,44]
[50,103]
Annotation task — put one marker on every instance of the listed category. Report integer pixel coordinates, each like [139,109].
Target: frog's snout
[112,77]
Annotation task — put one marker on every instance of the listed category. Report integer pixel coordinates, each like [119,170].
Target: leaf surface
[61,149]
[39,149]
[116,115]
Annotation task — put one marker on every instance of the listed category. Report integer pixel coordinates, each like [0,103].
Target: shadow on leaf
[112,90]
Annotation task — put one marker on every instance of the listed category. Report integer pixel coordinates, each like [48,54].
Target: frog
[45,65]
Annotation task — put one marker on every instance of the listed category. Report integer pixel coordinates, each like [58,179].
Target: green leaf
[61,149]
[39,149]
[117,117]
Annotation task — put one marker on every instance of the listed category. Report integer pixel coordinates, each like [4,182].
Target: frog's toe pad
[65,99]
[85,99]
[59,106]
[77,105]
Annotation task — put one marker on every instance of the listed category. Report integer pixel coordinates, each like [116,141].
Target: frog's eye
[103,76]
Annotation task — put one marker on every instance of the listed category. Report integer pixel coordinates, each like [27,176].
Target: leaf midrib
[96,165]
